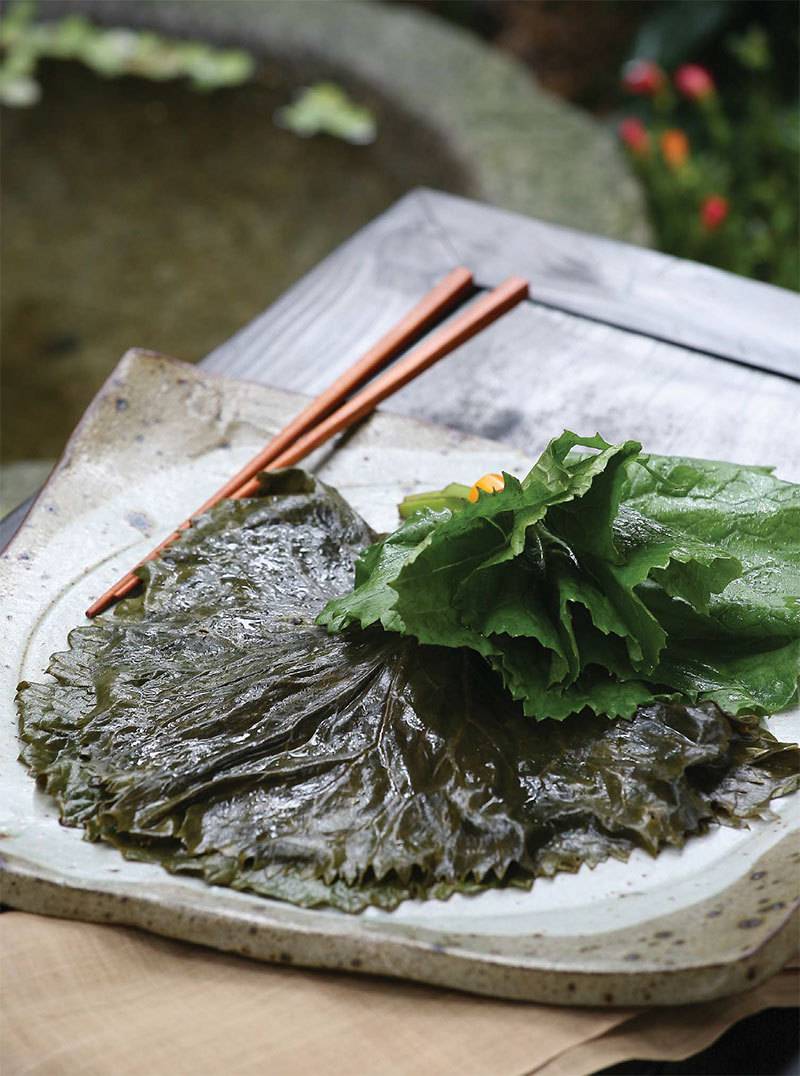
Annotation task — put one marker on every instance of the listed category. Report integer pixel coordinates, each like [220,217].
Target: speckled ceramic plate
[714,918]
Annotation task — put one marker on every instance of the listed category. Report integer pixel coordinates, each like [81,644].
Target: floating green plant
[326,108]
[110,53]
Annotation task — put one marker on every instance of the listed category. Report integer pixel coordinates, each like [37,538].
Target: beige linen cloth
[91,999]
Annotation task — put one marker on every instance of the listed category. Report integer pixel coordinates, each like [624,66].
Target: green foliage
[603,581]
[677,29]
[322,108]
[325,108]
[751,49]
[743,160]
[109,53]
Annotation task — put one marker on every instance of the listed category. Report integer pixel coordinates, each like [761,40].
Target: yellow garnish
[490,483]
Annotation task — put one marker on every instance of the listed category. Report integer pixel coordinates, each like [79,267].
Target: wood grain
[321,325]
[532,374]
[393,261]
[540,371]
[655,294]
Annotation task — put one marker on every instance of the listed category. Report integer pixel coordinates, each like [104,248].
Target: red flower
[694,82]
[674,147]
[643,76]
[713,211]
[635,136]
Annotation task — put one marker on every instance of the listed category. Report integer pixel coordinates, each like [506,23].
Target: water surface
[144,214]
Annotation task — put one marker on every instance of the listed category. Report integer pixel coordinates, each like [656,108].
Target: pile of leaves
[604,581]
[211,725]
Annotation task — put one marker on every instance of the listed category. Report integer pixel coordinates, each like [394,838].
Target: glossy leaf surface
[212,726]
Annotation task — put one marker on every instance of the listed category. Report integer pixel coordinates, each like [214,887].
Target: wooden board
[366,284]
[541,369]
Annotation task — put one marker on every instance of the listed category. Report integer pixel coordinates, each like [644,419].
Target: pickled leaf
[211,725]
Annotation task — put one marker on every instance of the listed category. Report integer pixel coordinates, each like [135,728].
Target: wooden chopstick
[429,310]
[482,313]
[306,433]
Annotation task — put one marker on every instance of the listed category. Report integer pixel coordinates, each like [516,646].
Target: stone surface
[521,148]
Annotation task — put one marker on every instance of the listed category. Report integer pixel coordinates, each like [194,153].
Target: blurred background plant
[326,108]
[138,211]
[717,147]
[24,41]
[722,182]
[718,154]
[321,108]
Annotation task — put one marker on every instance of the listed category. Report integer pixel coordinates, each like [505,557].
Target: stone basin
[139,213]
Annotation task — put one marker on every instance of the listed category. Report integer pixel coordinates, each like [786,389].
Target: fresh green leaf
[745,511]
[658,575]
[451,497]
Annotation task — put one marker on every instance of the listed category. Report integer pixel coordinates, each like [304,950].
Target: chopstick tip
[96,607]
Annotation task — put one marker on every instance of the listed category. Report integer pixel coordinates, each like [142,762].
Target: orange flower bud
[674,148]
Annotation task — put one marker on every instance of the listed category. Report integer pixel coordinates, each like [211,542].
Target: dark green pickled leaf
[211,725]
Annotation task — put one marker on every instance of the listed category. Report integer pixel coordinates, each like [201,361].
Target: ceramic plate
[716,917]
